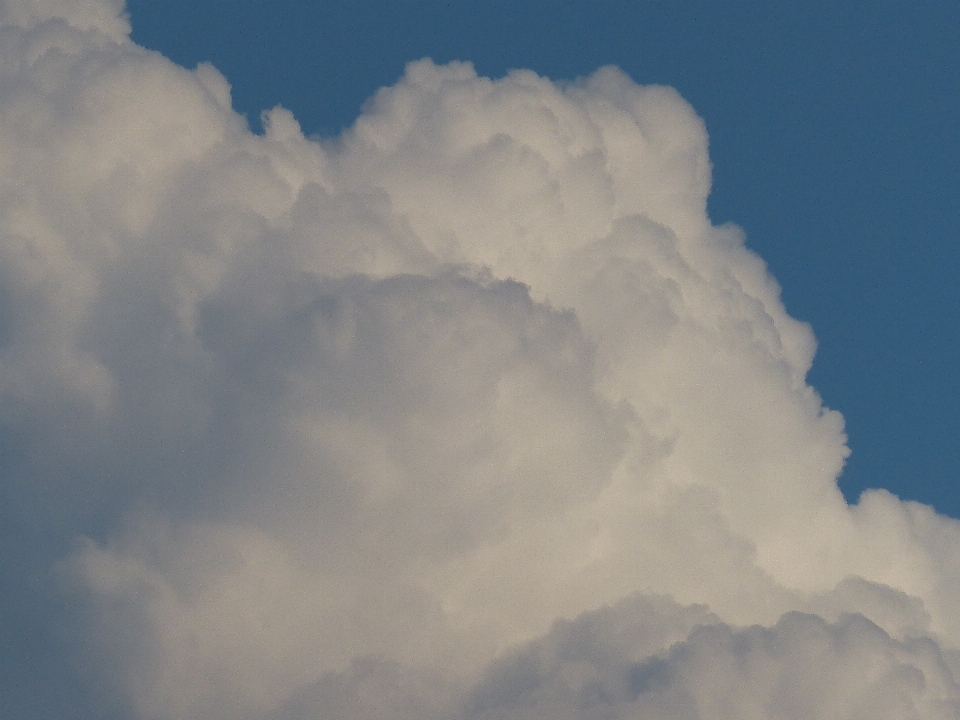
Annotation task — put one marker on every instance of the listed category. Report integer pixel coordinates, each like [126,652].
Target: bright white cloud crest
[467,413]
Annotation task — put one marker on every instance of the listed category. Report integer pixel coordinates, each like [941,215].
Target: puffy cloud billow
[468,413]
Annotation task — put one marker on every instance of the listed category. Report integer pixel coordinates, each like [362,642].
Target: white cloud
[349,427]
[802,667]
[103,18]
[648,657]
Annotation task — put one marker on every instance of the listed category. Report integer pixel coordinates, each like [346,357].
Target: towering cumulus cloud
[468,413]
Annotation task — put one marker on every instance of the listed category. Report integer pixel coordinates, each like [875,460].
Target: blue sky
[833,136]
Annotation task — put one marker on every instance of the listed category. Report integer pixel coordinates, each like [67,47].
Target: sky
[458,363]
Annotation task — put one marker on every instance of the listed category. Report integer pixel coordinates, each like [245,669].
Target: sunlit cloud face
[467,413]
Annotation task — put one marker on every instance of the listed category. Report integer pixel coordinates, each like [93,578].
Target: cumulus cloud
[469,412]
[802,667]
